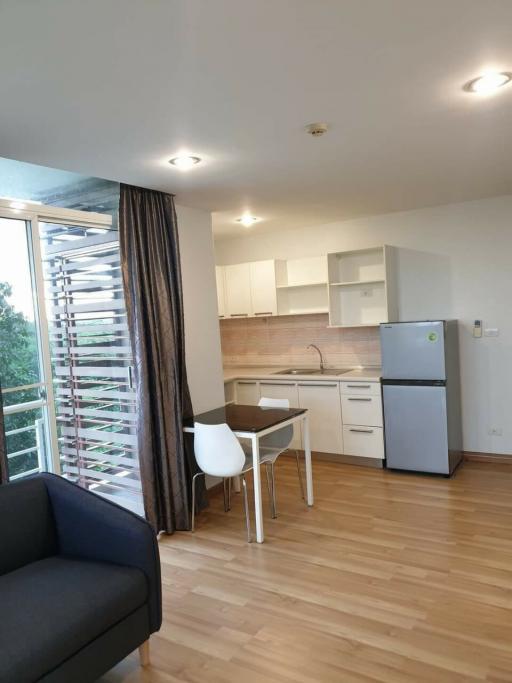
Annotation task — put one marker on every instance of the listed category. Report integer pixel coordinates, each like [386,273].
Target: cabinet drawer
[366,442]
[360,388]
[362,410]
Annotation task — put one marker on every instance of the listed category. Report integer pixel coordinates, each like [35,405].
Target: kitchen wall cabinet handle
[264,313]
[245,382]
[358,386]
[361,431]
[239,315]
[317,384]
[362,398]
[277,384]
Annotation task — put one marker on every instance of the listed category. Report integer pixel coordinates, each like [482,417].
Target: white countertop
[269,372]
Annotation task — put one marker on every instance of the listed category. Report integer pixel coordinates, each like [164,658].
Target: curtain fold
[150,261]
[4,472]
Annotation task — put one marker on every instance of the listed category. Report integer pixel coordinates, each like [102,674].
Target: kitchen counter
[232,373]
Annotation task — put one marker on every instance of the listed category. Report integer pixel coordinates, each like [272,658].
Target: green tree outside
[18,366]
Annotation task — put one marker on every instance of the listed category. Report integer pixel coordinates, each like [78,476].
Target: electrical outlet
[495,431]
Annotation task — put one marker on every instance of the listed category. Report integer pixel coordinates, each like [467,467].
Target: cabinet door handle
[359,399]
[245,382]
[264,313]
[239,315]
[361,431]
[277,384]
[358,386]
[312,384]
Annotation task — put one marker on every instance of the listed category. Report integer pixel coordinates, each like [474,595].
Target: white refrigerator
[421,395]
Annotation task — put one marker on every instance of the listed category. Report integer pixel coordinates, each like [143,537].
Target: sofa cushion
[27,528]
[52,608]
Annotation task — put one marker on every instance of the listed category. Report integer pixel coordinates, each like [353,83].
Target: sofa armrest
[91,527]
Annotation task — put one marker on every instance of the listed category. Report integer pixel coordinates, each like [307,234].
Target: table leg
[258,509]
[307,457]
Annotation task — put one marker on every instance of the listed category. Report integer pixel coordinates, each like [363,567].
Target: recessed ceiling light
[488,83]
[247,220]
[185,162]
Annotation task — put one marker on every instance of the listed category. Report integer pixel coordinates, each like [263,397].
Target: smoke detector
[316,129]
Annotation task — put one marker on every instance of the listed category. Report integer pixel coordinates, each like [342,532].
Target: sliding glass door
[65,357]
[29,418]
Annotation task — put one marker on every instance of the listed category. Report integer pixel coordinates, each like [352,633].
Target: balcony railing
[38,428]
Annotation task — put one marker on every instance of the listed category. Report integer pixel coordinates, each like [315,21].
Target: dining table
[253,423]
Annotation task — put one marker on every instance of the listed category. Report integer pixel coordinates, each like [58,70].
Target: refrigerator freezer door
[416,430]
[413,350]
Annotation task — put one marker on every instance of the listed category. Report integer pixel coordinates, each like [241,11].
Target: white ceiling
[114,89]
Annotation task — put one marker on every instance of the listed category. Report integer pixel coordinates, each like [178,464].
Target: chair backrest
[281,438]
[218,451]
[27,527]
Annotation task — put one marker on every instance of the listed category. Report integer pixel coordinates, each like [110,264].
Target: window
[84,355]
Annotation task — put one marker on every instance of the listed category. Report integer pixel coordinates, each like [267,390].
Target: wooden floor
[390,577]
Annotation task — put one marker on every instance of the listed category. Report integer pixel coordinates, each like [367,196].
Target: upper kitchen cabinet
[362,289]
[237,281]
[357,288]
[249,290]
[302,286]
[263,288]
[221,295]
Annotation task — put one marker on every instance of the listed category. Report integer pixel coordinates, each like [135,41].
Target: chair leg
[274,504]
[144,653]
[230,481]
[227,505]
[246,506]
[269,487]
[299,472]
[197,474]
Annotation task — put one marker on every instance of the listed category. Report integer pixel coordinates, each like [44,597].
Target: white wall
[453,261]
[202,337]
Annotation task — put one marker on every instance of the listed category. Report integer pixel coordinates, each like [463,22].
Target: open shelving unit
[361,287]
[301,286]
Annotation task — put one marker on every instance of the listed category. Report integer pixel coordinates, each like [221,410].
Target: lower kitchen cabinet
[271,389]
[247,392]
[361,407]
[322,399]
[365,442]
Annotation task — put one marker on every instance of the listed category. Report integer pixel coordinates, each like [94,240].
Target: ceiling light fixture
[246,220]
[184,163]
[488,82]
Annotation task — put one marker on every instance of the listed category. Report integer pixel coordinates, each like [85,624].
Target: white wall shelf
[355,282]
[362,289]
[303,284]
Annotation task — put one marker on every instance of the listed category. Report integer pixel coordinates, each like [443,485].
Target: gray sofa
[80,582]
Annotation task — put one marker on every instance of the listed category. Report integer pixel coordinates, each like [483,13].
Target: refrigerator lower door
[413,350]
[416,429]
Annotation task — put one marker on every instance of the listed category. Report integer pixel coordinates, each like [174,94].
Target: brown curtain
[150,260]
[4,473]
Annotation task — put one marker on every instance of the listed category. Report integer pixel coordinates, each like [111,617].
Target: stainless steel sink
[297,371]
[311,371]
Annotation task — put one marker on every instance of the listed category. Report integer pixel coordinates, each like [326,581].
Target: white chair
[219,453]
[271,447]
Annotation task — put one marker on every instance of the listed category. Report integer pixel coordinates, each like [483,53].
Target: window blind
[91,360]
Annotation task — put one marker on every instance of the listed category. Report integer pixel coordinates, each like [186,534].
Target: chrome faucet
[312,346]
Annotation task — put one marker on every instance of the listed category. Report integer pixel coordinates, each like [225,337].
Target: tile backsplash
[283,341]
